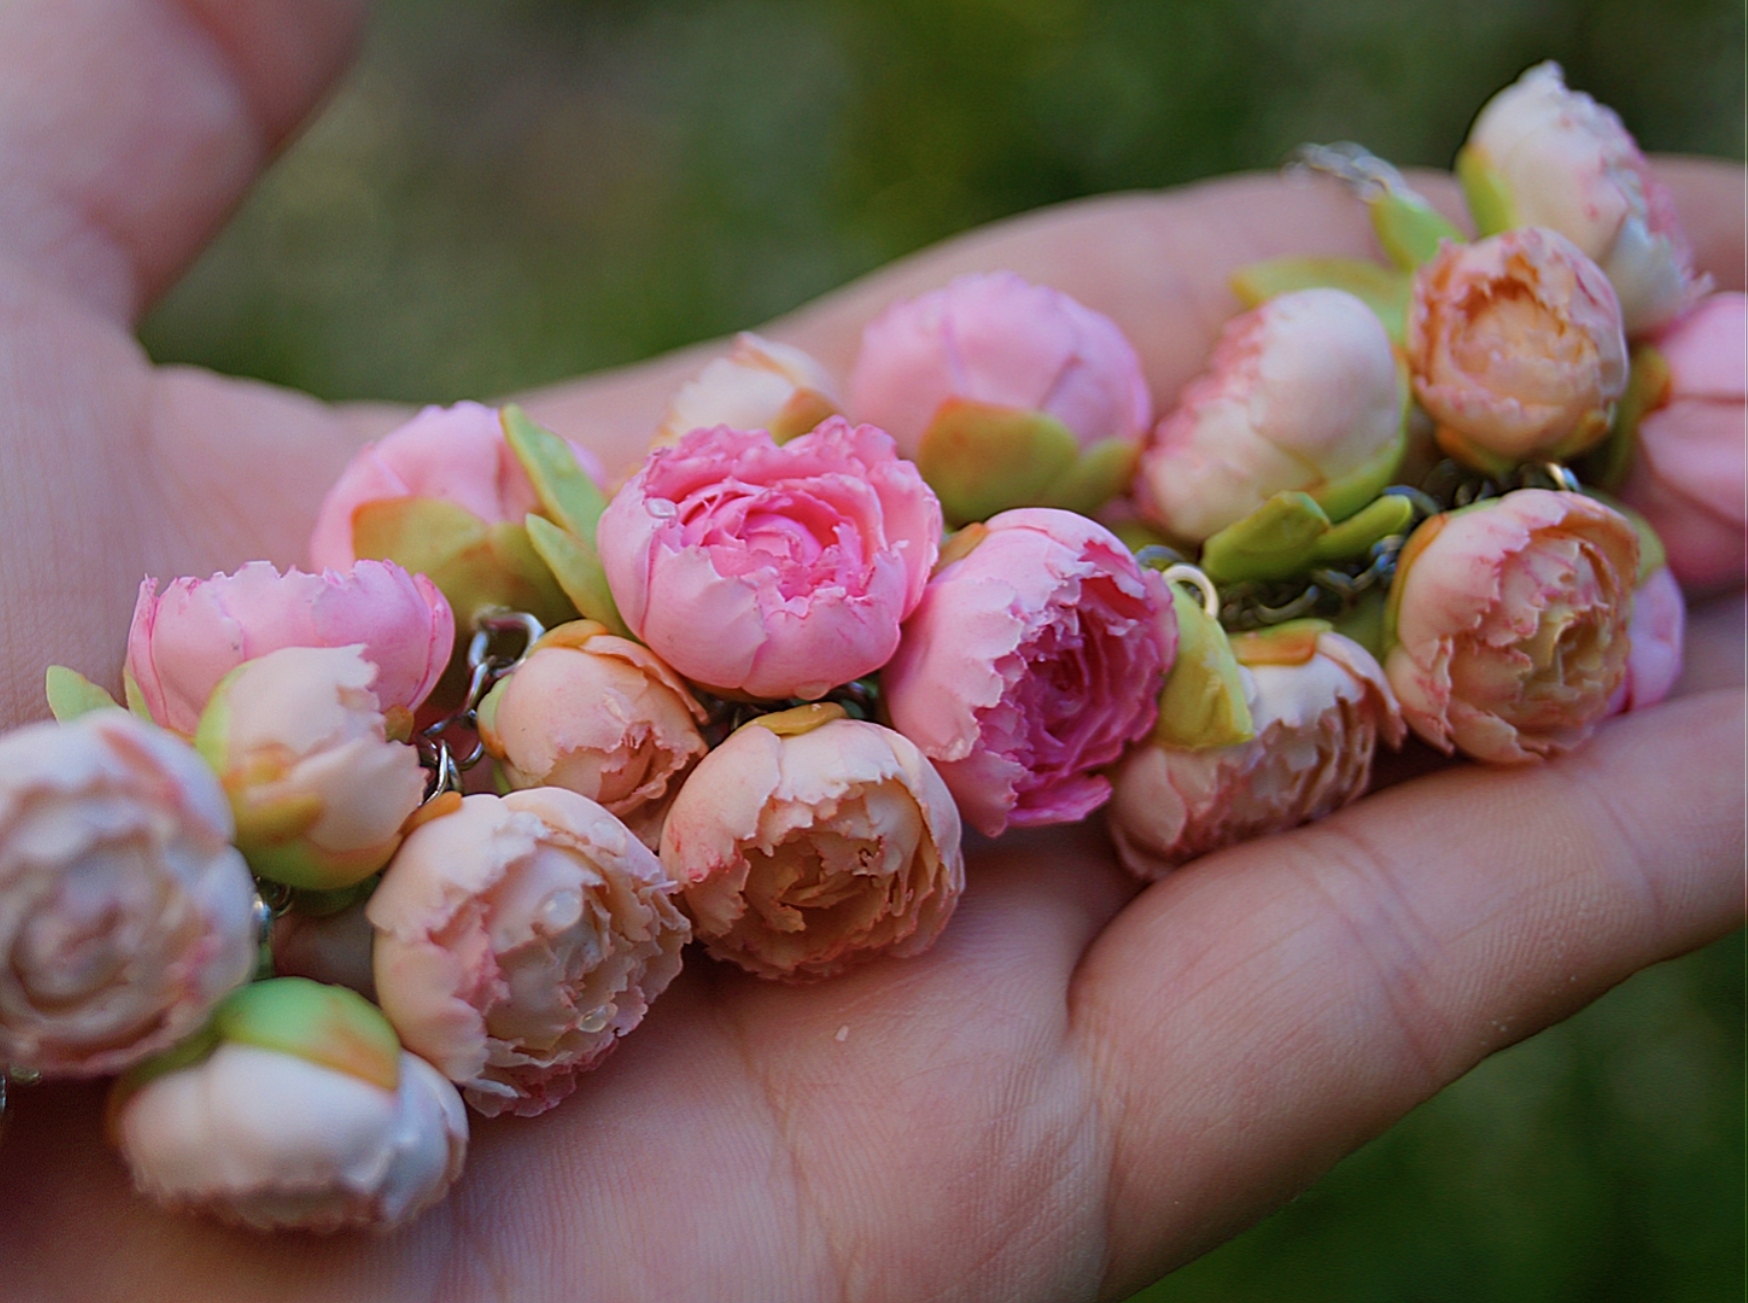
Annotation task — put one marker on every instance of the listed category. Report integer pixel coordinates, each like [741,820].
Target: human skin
[1084,1083]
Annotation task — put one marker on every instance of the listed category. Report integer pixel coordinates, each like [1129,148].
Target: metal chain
[485,667]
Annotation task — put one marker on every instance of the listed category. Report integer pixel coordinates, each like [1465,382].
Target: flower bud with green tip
[295,1108]
[319,789]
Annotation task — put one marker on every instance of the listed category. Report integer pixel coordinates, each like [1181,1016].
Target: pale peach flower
[518,939]
[1510,624]
[1302,393]
[803,853]
[267,1140]
[1515,347]
[125,914]
[319,789]
[760,385]
[598,715]
[1566,162]
[1318,721]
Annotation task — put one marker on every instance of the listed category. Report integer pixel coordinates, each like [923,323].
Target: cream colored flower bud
[319,790]
[262,1138]
[761,385]
[125,914]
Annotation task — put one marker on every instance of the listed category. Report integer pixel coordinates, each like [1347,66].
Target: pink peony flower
[1302,393]
[760,385]
[1031,664]
[303,1112]
[1511,622]
[125,914]
[597,715]
[1690,475]
[1318,719]
[1515,348]
[805,847]
[183,642]
[318,787]
[454,454]
[1657,634]
[771,571]
[1561,160]
[517,939]
[1006,394]
[996,339]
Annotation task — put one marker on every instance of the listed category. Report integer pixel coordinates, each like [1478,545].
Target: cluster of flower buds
[431,828]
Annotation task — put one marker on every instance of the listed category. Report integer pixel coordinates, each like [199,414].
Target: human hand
[1083,1083]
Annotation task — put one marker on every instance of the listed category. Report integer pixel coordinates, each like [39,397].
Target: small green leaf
[1383,517]
[1202,705]
[1606,465]
[71,694]
[981,459]
[328,1025]
[1385,290]
[1100,473]
[1272,542]
[1485,192]
[577,568]
[1409,228]
[565,489]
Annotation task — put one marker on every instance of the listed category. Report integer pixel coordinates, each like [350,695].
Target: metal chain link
[485,667]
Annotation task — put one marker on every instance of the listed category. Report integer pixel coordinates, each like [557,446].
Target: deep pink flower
[1511,621]
[771,571]
[1690,475]
[995,338]
[184,641]
[1030,664]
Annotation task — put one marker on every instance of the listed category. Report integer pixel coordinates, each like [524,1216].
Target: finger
[1260,1014]
[1158,264]
[129,128]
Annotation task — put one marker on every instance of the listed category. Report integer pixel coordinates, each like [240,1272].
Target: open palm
[1083,1083]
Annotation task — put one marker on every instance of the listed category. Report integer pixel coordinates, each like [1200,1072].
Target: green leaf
[328,1025]
[1485,192]
[1383,517]
[1202,705]
[1099,474]
[577,568]
[1272,542]
[1606,465]
[566,491]
[1409,228]
[1385,290]
[71,694]
[980,458]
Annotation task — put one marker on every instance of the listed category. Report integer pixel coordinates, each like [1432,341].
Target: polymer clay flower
[1302,393]
[318,786]
[297,1110]
[518,938]
[1318,703]
[760,385]
[125,914]
[184,640]
[808,842]
[1690,473]
[1510,623]
[1657,636]
[1033,661]
[1542,155]
[767,571]
[598,715]
[1007,394]
[1516,350]
[444,495]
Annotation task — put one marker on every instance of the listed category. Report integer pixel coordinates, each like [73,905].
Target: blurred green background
[507,193]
